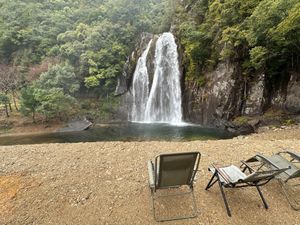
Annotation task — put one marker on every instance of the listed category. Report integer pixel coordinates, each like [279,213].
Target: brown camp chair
[287,179]
[173,171]
[234,177]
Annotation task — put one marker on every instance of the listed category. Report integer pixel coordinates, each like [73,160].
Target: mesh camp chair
[282,160]
[173,171]
[234,177]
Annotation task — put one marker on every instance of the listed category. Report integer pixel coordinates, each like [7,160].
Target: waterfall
[163,103]
[140,87]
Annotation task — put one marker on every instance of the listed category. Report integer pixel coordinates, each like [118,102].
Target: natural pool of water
[122,132]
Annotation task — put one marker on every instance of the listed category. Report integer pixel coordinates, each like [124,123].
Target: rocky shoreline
[106,182]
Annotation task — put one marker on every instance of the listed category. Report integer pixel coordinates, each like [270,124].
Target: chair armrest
[262,176]
[246,164]
[219,172]
[151,173]
[294,155]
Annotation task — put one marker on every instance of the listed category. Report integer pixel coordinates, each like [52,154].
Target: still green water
[122,132]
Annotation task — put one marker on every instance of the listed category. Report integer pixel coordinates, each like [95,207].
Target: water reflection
[122,132]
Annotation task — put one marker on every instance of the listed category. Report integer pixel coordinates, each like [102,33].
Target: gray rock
[254,123]
[78,125]
[292,102]
[255,96]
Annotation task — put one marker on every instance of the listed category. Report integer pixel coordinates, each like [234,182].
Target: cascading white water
[140,87]
[164,101]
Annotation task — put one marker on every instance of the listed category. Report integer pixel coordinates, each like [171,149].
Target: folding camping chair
[234,177]
[173,171]
[282,160]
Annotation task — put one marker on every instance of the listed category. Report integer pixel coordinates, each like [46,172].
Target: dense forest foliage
[260,35]
[53,51]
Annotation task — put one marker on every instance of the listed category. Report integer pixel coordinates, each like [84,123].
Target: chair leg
[152,202]
[244,169]
[294,204]
[224,197]
[195,210]
[211,182]
[262,197]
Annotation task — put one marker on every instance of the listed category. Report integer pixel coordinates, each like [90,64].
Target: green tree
[50,95]
[258,56]
[255,34]
[53,103]
[29,102]
[59,76]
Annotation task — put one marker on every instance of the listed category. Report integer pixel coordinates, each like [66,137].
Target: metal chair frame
[240,183]
[282,182]
[190,184]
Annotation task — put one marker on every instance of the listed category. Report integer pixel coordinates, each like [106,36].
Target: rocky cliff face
[206,104]
[227,95]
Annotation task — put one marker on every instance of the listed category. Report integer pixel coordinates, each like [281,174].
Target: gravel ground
[106,182]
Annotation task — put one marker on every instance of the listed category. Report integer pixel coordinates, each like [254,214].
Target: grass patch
[288,122]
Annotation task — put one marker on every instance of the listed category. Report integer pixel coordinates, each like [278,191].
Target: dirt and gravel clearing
[107,182]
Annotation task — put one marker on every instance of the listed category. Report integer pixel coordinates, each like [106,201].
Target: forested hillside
[51,49]
[56,54]
[260,34]
[241,58]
